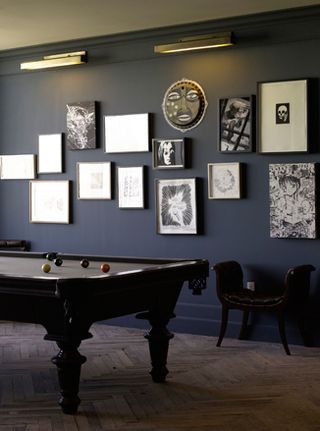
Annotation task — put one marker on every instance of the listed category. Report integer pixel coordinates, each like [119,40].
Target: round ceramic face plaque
[184,104]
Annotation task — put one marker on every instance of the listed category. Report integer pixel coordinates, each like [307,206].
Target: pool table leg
[68,362]
[158,338]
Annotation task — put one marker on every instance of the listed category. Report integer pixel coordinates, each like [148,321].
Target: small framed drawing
[235,124]
[283,116]
[168,153]
[49,201]
[176,209]
[126,133]
[224,181]
[18,167]
[130,187]
[81,125]
[94,180]
[50,154]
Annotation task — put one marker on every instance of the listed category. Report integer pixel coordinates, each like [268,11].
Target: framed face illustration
[184,105]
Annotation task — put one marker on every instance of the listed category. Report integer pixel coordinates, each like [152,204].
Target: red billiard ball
[105,267]
[84,263]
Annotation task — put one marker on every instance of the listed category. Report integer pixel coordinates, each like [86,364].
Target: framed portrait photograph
[235,124]
[283,116]
[81,125]
[94,180]
[224,180]
[49,201]
[50,154]
[18,167]
[292,189]
[126,133]
[176,209]
[130,187]
[168,153]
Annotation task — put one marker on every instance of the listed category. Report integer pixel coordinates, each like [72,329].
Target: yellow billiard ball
[46,267]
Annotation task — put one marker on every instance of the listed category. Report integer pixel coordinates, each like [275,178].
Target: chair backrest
[229,277]
[297,284]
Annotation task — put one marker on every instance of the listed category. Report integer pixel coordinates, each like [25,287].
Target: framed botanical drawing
[94,180]
[126,133]
[168,153]
[235,127]
[224,180]
[81,125]
[130,187]
[292,200]
[283,116]
[176,209]
[50,153]
[49,201]
[18,167]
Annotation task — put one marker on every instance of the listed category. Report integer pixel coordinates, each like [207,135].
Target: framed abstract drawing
[130,187]
[94,180]
[224,180]
[18,167]
[81,125]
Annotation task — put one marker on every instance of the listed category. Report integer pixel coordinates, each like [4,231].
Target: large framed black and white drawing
[292,200]
[184,104]
[176,209]
[81,125]
[283,116]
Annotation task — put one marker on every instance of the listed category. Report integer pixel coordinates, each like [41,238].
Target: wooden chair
[232,294]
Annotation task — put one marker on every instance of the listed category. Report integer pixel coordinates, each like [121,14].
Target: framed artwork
[176,210]
[49,201]
[235,127]
[224,180]
[184,105]
[94,180]
[18,167]
[126,133]
[168,153]
[50,153]
[81,125]
[292,200]
[283,116]
[130,187]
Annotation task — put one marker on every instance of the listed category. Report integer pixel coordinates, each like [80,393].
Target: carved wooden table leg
[68,362]
[159,338]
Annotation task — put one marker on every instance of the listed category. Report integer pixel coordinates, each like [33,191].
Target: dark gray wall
[124,77]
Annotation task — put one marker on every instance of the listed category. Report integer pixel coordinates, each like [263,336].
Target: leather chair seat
[253,299]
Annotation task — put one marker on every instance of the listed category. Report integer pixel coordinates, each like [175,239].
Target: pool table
[67,300]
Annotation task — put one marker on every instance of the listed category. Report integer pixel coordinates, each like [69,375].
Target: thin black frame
[155,158]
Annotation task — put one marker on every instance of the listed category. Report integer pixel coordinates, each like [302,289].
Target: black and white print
[282,113]
[81,126]
[168,153]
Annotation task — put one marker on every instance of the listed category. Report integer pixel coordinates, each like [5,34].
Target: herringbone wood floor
[242,386]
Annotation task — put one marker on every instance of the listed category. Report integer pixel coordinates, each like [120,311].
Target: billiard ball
[105,267]
[46,267]
[84,263]
[51,256]
[58,261]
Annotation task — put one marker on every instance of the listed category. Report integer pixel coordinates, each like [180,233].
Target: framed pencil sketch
[126,133]
[235,124]
[292,200]
[94,180]
[50,153]
[176,209]
[81,125]
[49,201]
[130,187]
[224,180]
[283,116]
[168,153]
[18,167]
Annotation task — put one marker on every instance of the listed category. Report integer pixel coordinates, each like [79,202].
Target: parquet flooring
[241,386]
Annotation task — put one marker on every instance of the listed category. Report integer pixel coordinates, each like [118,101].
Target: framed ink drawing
[50,153]
[94,180]
[49,201]
[292,200]
[81,125]
[176,210]
[235,127]
[283,116]
[224,181]
[18,167]
[130,187]
[168,153]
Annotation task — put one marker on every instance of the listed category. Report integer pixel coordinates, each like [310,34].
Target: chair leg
[281,325]
[244,326]
[304,334]
[224,322]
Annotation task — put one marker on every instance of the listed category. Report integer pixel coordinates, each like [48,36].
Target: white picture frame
[49,201]
[126,133]
[224,180]
[94,180]
[18,167]
[50,154]
[130,187]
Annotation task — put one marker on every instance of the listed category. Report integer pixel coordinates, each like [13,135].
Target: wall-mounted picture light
[56,60]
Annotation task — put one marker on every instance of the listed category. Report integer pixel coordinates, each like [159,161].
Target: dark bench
[13,244]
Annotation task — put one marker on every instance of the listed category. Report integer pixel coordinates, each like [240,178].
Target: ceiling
[34,22]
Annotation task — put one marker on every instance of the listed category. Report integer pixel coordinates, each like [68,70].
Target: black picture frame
[168,153]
